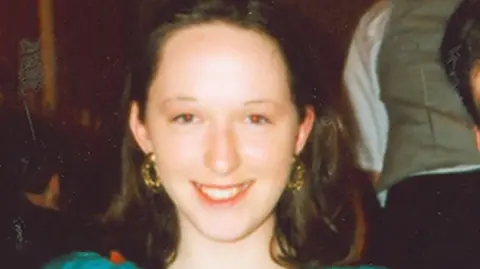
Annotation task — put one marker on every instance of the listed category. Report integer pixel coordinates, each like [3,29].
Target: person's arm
[361,83]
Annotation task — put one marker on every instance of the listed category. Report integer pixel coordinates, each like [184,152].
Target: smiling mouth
[221,194]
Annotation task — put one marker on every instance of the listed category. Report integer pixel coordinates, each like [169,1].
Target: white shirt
[361,82]
[360,79]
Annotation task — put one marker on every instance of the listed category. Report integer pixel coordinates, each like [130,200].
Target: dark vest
[429,126]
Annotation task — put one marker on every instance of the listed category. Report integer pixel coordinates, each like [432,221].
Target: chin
[228,224]
[227,232]
[233,229]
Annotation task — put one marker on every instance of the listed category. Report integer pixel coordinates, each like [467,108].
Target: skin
[219,112]
[475,82]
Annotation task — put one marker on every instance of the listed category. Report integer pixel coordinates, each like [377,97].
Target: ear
[475,81]
[305,129]
[139,129]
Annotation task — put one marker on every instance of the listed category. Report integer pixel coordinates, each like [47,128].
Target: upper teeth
[222,194]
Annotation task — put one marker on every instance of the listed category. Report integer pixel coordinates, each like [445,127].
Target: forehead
[220,58]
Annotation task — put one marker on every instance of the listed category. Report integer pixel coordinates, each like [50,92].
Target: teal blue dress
[90,260]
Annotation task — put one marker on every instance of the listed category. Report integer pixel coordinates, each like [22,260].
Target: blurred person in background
[418,139]
[37,220]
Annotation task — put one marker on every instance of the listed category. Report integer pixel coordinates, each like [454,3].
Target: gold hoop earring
[150,177]
[297,179]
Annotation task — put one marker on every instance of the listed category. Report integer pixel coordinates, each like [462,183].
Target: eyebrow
[246,103]
[261,101]
[179,98]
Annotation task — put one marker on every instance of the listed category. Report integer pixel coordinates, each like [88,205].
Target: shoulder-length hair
[314,226]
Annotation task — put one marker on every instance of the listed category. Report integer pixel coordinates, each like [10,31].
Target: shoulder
[85,260]
[368,35]
[378,13]
[372,24]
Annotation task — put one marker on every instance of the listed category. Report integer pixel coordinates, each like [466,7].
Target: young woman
[235,155]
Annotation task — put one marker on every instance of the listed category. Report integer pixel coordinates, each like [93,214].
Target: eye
[258,119]
[185,118]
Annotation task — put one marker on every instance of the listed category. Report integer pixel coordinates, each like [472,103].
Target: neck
[253,251]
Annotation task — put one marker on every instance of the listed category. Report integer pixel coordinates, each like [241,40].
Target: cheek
[476,90]
[475,84]
[269,153]
[263,154]
[176,153]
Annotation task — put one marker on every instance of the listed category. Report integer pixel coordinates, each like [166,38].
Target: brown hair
[460,52]
[314,226]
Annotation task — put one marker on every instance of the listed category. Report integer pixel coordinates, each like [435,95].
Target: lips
[218,194]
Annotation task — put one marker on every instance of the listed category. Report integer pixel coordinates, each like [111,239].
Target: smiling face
[221,123]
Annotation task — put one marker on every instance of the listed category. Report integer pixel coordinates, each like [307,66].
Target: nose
[221,156]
